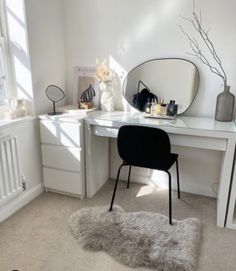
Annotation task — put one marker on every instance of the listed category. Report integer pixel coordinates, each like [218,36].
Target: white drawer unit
[64,181]
[61,133]
[61,157]
[62,144]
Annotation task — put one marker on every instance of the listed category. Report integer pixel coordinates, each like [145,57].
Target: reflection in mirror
[165,79]
[54,94]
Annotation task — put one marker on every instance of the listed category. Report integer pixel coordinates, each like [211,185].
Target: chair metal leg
[129,176]
[177,171]
[114,192]
[170,199]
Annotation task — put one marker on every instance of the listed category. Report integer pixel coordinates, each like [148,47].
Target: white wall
[45,25]
[36,35]
[130,32]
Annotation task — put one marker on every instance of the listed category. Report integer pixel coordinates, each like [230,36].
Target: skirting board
[20,202]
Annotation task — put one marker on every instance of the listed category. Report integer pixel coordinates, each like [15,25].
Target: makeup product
[172,108]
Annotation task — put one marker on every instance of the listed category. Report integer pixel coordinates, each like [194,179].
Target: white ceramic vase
[17,107]
[107,99]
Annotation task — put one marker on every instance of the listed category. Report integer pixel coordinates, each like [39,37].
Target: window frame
[6,57]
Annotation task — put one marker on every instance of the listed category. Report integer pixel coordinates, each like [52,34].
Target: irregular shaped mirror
[168,79]
[54,94]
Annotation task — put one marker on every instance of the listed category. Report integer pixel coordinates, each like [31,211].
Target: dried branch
[198,53]
[196,22]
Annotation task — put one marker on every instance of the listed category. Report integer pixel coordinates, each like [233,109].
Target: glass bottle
[171,108]
[148,106]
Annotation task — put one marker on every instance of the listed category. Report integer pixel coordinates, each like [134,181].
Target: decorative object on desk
[86,99]
[225,105]
[138,239]
[74,110]
[107,99]
[54,94]
[225,100]
[156,116]
[172,108]
[17,107]
[161,111]
[141,98]
[104,75]
[159,108]
[84,78]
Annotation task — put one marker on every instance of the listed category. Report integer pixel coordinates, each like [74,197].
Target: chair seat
[160,163]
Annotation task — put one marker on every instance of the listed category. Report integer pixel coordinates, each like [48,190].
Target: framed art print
[84,77]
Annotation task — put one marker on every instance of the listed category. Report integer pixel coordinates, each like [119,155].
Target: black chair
[146,147]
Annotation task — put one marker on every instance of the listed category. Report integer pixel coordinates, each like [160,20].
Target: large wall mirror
[169,79]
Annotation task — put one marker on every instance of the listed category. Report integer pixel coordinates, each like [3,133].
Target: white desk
[204,133]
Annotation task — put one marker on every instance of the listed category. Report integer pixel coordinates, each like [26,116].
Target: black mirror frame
[54,102]
[165,58]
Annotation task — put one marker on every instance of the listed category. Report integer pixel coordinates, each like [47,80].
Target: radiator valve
[23,183]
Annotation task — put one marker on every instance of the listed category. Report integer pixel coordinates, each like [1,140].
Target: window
[4,58]
[2,74]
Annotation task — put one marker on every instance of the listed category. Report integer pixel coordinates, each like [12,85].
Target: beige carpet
[37,237]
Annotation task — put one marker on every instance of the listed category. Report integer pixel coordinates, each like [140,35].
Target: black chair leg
[170,199]
[114,192]
[177,171]
[129,176]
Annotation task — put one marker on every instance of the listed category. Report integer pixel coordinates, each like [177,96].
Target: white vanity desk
[204,133]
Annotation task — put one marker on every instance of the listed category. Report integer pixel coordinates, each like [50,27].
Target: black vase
[225,105]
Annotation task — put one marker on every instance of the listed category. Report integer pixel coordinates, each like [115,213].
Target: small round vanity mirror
[54,94]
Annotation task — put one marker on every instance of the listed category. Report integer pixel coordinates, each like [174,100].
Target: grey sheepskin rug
[138,239]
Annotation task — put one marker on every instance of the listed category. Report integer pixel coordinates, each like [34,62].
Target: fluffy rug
[138,239]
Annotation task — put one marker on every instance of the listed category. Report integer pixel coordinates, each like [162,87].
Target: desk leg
[231,219]
[224,183]
[97,161]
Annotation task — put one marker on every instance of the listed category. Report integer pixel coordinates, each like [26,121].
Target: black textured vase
[225,105]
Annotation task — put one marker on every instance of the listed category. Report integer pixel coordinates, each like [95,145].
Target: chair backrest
[138,143]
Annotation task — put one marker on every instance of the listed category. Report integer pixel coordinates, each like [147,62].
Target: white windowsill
[12,122]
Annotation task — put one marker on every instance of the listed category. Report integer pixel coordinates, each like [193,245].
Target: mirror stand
[54,110]
[55,95]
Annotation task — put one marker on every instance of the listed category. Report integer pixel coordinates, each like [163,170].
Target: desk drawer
[208,143]
[105,131]
[62,133]
[64,181]
[60,157]
[192,141]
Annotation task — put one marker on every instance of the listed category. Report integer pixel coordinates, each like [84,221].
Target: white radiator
[10,179]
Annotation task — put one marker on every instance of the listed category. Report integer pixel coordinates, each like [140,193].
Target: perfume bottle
[172,108]
[153,107]
[158,107]
[163,109]
[148,106]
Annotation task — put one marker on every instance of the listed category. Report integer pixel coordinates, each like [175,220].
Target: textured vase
[225,105]
[107,99]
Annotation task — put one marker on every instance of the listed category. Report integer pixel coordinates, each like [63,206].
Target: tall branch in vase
[196,22]
[225,100]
